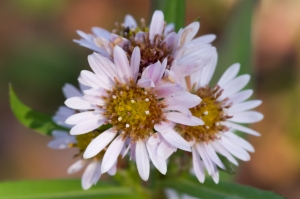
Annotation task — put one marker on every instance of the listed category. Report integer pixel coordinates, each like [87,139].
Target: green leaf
[224,190]
[229,166]
[174,11]
[62,189]
[30,118]
[235,42]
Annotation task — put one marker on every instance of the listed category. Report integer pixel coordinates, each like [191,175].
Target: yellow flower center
[211,111]
[133,110]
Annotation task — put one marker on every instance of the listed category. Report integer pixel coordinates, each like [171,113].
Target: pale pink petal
[99,143]
[126,150]
[247,117]
[165,149]
[213,156]
[186,99]
[244,106]
[175,139]
[62,142]
[229,74]
[86,126]
[135,63]
[92,80]
[183,119]
[205,157]
[112,153]
[78,103]
[158,161]
[154,139]
[198,166]
[145,83]
[77,166]
[71,91]
[170,39]
[207,39]
[129,22]
[235,85]
[209,70]
[242,128]
[142,160]
[240,96]
[239,141]
[215,175]
[164,126]
[188,33]
[157,24]
[89,175]
[122,64]
[237,151]
[113,170]
[100,32]
[59,133]
[169,28]
[103,67]
[167,89]
[79,117]
[221,150]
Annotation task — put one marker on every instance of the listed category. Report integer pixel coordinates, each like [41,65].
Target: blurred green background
[37,56]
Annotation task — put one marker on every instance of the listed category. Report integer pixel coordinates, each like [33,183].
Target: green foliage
[30,118]
[223,190]
[62,189]
[174,11]
[235,45]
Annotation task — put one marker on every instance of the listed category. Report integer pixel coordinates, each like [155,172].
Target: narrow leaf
[62,189]
[223,190]
[30,118]
[174,11]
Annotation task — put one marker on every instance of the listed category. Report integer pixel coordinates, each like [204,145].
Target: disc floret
[212,111]
[133,110]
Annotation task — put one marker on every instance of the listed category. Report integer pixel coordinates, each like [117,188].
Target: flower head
[63,140]
[158,42]
[134,105]
[222,108]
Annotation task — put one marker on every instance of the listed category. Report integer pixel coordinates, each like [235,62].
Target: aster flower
[134,105]
[62,140]
[222,109]
[185,54]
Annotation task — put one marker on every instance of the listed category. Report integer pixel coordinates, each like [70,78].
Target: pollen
[212,111]
[134,112]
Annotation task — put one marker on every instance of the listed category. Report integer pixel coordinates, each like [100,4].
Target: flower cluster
[148,95]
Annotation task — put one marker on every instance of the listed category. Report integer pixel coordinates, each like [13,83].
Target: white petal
[244,106]
[235,85]
[247,117]
[157,24]
[187,100]
[154,139]
[92,80]
[213,156]
[99,143]
[237,151]
[86,126]
[164,126]
[112,153]
[100,32]
[169,28]
[240,141]
[121,62]
[91,174]
[242,128]
[59,133]
[158,162]
[240,96]
[135,63]
[61,143]
[221,150]
[145,83]
[142,160]
[113,170]
[165,149]
[205,157]
[205,39]
[79,117]
[71,91]
[209,70]
[188,33]
[77,166]
[183,119]
[129,22]
[126,150]
[215,174]
[78,103]
[175,139]
[198,166]
[229,74]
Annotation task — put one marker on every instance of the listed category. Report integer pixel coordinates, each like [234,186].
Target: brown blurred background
[37,56]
